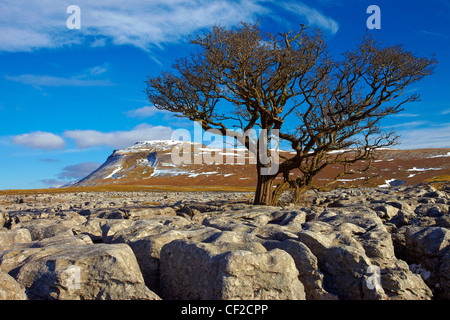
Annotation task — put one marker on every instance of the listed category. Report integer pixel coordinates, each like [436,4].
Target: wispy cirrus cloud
[411,124]
[405,115]
[28,25]
[49,160]
[54,81]
[435,34]
[86,78]
[312,16]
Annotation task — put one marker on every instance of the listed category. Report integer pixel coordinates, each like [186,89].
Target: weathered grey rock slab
[89,272]
[10,289]
[203,271]
[349,246]
[10,237]
[365,243]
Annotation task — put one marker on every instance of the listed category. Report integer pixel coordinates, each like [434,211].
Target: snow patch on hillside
[440,156]
[391,183]
[168,172]
[422,169]
[113,174]
[193,175]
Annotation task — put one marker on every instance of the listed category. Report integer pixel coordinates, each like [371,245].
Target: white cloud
[27,25]
[431,137]
[40,140]
[145,112]
[312,16]
[118,139]
[14,39]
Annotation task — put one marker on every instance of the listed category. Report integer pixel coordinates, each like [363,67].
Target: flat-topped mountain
[157,163]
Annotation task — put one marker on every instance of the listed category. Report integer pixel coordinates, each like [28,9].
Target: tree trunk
[299,187]
[264,189]
[296,193]
[278,191]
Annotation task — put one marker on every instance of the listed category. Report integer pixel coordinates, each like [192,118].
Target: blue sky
[68,98]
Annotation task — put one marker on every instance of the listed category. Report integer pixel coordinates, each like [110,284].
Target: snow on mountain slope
[153,159]
[151,163]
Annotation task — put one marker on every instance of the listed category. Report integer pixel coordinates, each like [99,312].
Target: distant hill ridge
[150,163]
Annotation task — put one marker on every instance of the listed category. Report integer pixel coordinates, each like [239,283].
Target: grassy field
[439,182]
[128,188]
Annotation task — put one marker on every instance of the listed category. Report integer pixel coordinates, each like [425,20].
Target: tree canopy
[272,79]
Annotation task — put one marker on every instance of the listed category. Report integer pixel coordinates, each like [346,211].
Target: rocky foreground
[380,244]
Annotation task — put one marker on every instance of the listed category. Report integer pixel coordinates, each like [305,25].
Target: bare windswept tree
[242,77]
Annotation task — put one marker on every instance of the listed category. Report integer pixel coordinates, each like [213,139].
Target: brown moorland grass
[439,182]
[128,188]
